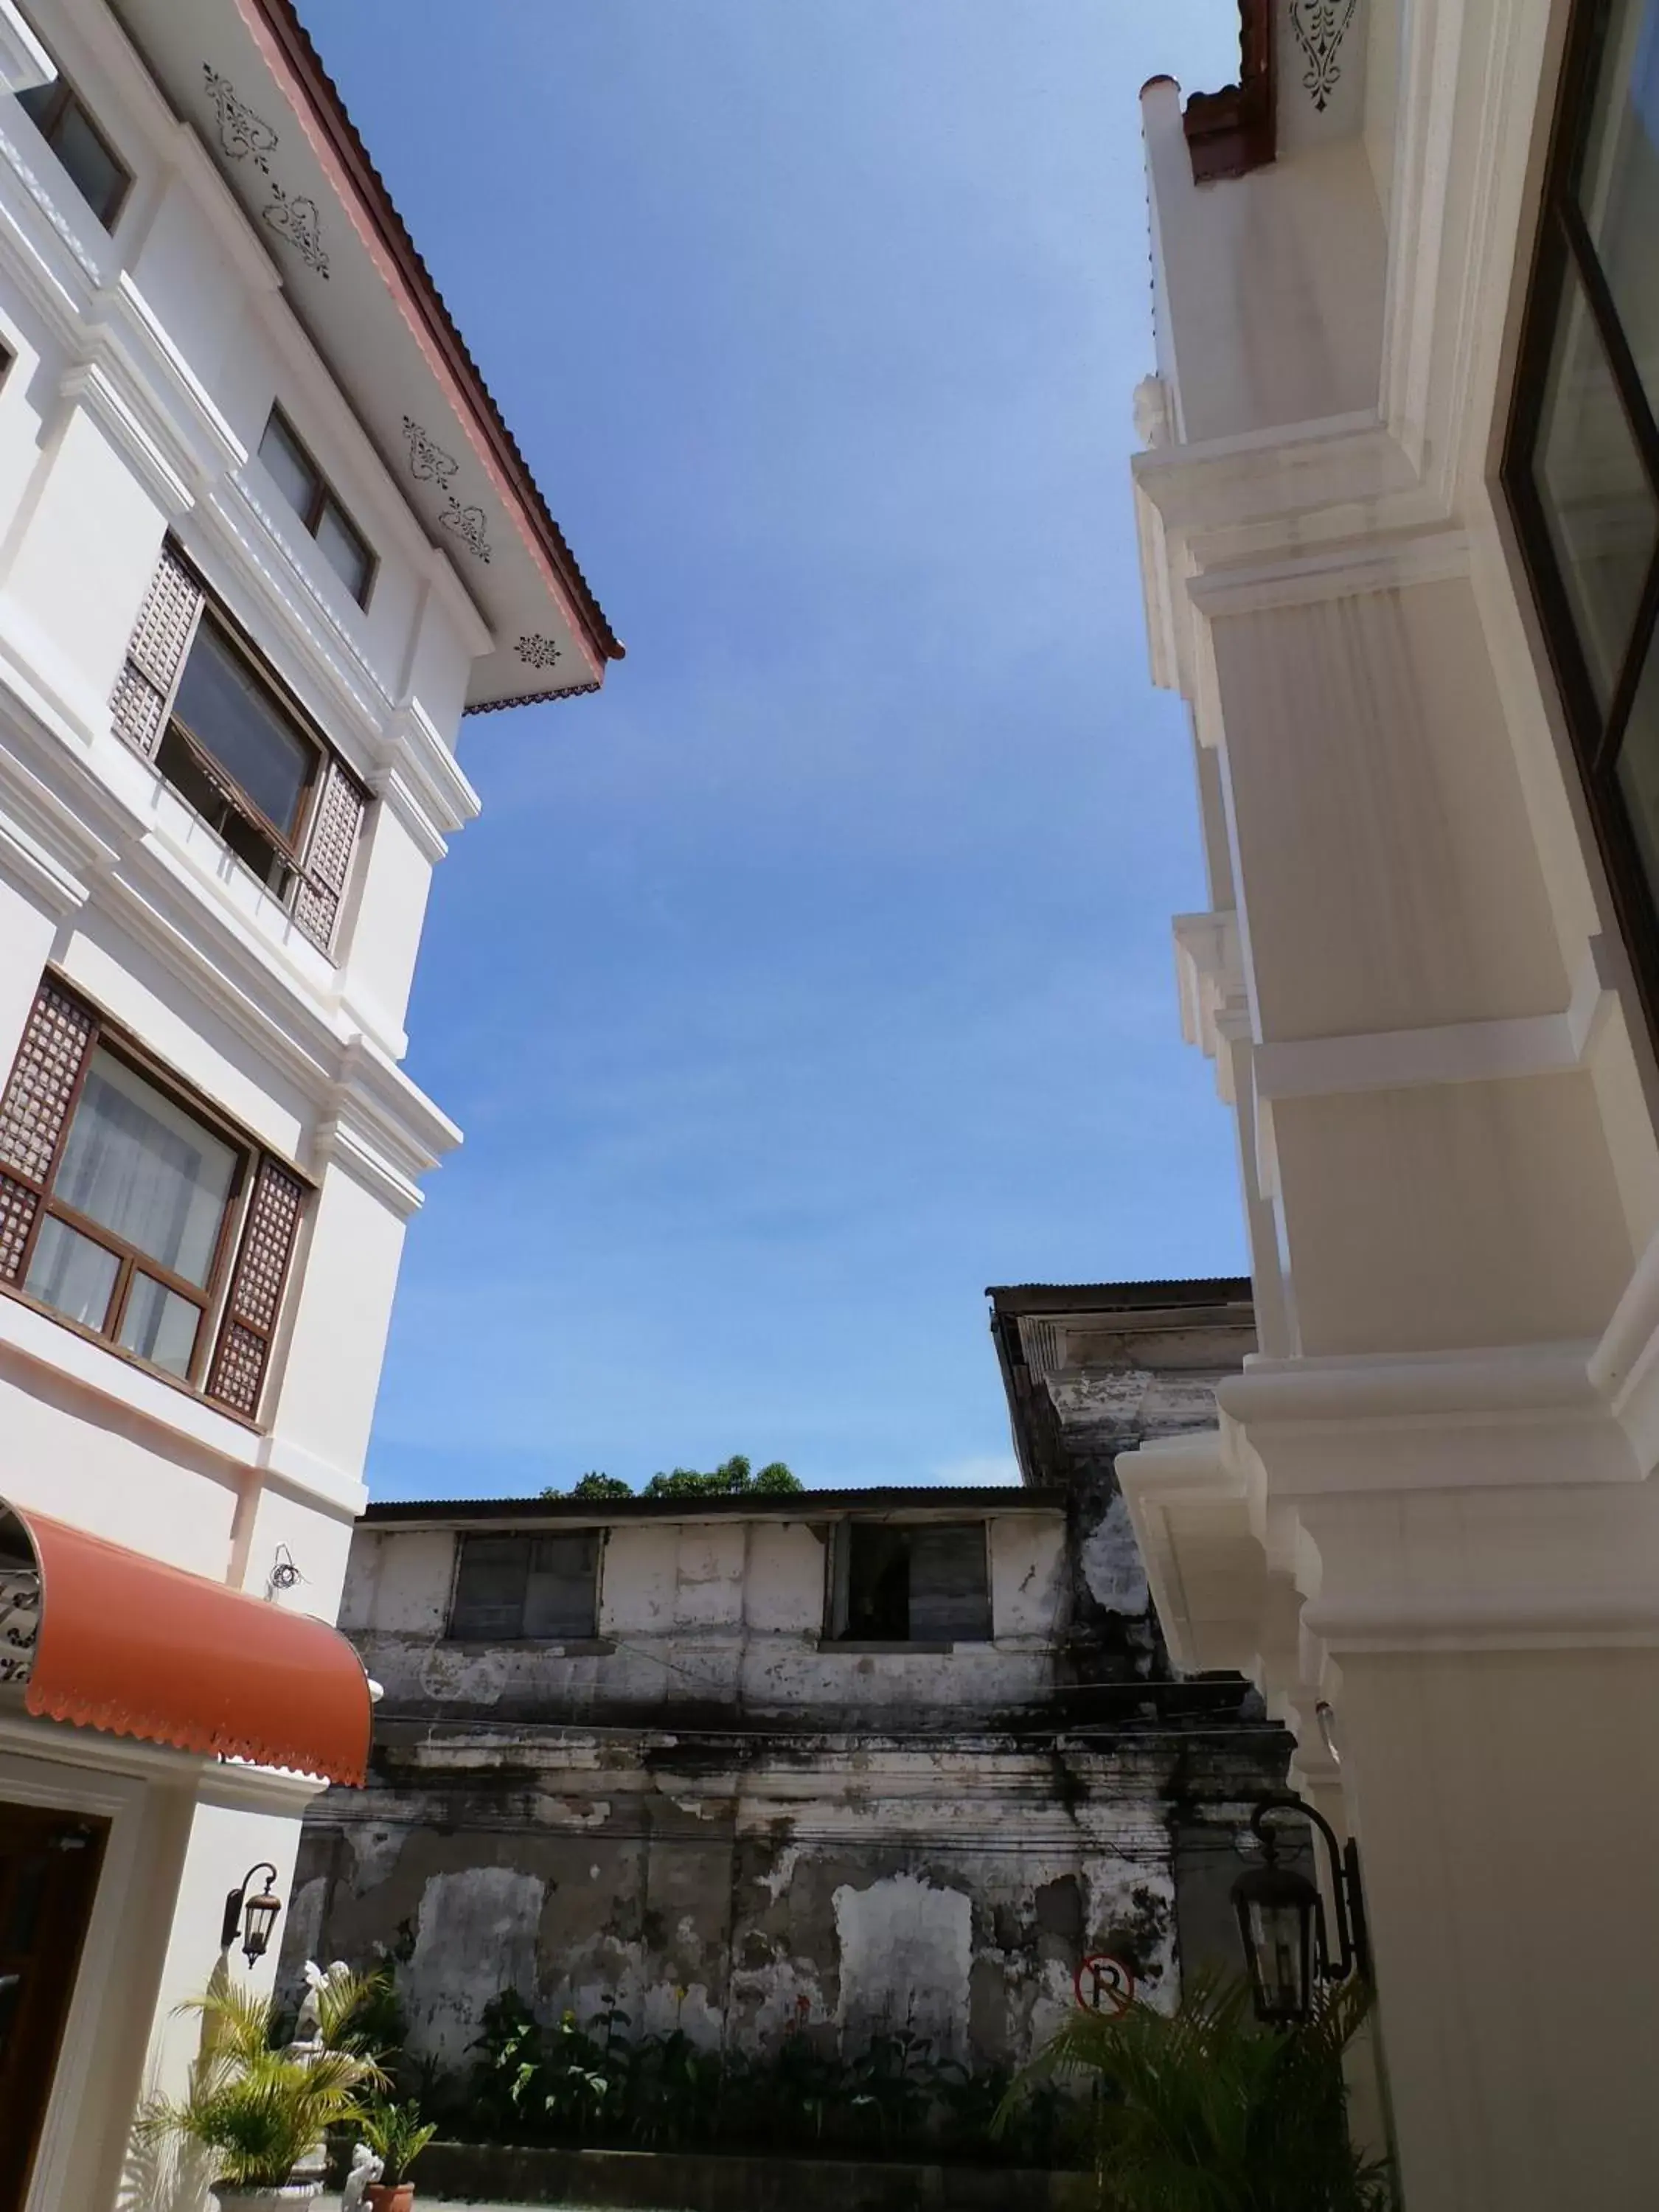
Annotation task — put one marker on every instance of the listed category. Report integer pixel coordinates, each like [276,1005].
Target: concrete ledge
[680,2181]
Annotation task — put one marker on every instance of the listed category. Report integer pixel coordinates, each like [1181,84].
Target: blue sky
[817,973]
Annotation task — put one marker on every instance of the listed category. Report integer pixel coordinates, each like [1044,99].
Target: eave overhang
[246,75]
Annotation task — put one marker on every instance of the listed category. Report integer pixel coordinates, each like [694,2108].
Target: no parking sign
[1105,1984]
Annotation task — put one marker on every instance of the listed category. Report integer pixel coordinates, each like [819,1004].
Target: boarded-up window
[910,1582]
[511,1587]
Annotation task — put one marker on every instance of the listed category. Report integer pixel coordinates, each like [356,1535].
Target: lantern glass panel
[1278,1917]
[258,1918]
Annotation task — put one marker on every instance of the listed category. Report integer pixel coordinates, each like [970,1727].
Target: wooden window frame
[309,872]
[838,1573]
[1562,249]
[527,1538]
[63,98]
[211,1300]
[322,498]
[289,847]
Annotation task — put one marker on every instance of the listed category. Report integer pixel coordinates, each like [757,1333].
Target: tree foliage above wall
[733,1477]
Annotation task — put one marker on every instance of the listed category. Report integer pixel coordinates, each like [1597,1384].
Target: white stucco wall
[144,366]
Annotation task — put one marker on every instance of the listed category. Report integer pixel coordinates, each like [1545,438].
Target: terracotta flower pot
[399,2197]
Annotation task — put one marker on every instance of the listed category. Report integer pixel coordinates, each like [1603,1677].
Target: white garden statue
[366,2170]
[307,2029]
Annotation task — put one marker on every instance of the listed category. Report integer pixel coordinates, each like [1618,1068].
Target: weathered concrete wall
[712,1813]
[723,1616]
[737,1884]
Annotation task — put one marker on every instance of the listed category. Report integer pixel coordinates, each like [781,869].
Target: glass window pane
[93,171]
[159,1325]
[70,132]
[344,550]
[1601,514]
[1619,182]
[489,1588]
[143,1168]
[233,718]
[559,1589]
[950,1594]
[288,467]
[71,1273]
[1638,767]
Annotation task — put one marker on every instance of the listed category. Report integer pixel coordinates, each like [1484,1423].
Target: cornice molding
[89,842]
[24,62]
[436,783]
[89,385]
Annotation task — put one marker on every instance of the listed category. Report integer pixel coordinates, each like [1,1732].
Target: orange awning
[129,1645]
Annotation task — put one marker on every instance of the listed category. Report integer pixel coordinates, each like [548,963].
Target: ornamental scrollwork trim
[244,136]
[20,1622]
[429,464]
[1320,27]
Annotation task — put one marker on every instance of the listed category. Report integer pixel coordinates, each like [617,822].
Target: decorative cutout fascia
[244,136]
[1320,27]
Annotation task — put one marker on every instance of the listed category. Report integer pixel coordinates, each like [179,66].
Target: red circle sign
[1104,1983]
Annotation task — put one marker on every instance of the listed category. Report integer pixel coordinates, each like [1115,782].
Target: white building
[263,540]
[1399,515]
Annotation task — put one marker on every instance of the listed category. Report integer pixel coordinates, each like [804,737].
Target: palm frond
[1201,2110]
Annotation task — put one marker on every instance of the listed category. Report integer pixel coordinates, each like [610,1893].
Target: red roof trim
[1232,132]
[287,46]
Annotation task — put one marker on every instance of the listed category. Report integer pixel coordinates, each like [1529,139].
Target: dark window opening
[512,1588]
[62,119]
[235,756]
[305,489]
[910,1582]
[1582,463]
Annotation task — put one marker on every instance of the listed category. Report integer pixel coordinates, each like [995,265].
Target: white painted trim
[70,1358]
[32,866]
[1617,1617]
[37,1778]
[1332,573]
[1401,1059]
[338,1143]
[290,1467]
[24,62]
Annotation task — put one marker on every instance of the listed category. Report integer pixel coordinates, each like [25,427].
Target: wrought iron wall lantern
[1281,1918]
[252,1917]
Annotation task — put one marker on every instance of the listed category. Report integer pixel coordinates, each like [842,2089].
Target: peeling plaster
[472,1678]
[374,1852]
[474,1937]
[906,1957]
[1112,1564]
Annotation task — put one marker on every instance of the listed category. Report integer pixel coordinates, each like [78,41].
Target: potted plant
[396,2135]
[256,2111]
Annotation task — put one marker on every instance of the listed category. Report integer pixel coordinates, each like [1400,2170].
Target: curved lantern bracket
[1282,1918]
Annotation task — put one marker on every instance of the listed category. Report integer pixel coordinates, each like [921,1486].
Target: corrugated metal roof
[798,1505]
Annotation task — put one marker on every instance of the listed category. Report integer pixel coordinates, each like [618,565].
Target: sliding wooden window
[197,701]
[123,1198]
